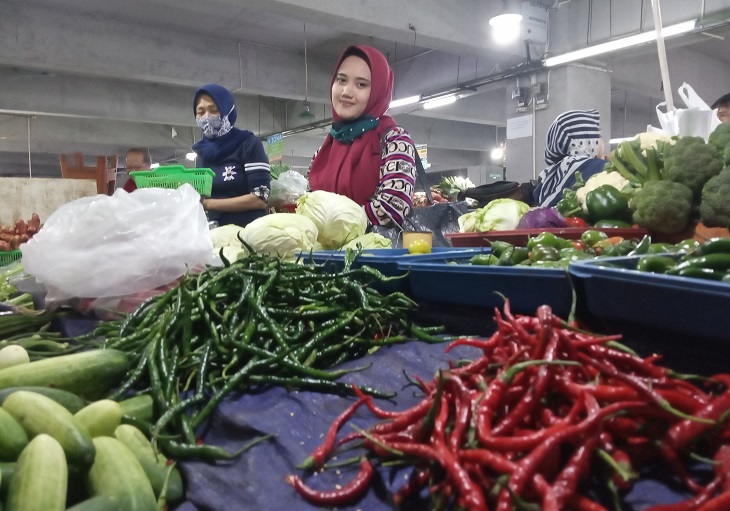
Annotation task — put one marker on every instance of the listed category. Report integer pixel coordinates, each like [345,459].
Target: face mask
[214,126]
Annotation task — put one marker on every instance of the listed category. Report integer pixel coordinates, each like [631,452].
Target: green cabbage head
[498,215]
[369,241]
[339,219]
[281,235]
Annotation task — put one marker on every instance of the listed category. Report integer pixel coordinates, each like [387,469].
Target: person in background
[137,158]
[366,155]
[242,179]
[723,108]
[573,144]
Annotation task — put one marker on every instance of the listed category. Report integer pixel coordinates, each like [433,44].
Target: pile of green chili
[258,321]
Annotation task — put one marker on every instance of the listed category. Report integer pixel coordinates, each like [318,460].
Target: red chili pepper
[719,503]
[419,478]
[549,502]
[722,466]
[581,503]
[348,494]
[319,456]
[687,430]
[566,483]
[378,412]
[463,412]
[693,503]
[488,458]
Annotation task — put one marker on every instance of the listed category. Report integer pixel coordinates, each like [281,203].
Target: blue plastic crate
[439,280]
[386,260]
[689,306]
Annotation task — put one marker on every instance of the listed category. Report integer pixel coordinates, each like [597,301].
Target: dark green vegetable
[569,205]
[714,246]
[663,206]
[661,248]
[611,223]
[607,202]
[714,204]
[655,264]
[544,253]
[548,239]
[692,162]
[591,237]
[485,259]
[258,321]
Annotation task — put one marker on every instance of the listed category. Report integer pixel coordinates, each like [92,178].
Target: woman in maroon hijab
[366,156]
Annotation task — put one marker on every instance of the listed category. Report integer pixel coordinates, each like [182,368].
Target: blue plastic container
[689,306]
[386,261]
[439,280]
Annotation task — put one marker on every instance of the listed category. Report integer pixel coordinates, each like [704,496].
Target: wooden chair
[104,172]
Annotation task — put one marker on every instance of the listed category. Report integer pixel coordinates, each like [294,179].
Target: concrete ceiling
[99,76]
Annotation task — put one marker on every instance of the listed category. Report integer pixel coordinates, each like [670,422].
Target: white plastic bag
[119,245]
[697,120]
[287,188]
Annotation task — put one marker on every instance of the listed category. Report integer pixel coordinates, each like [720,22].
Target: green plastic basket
[173,176]
[10,257]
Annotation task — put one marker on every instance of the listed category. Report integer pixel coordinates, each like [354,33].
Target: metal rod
[656,9]
[30,165]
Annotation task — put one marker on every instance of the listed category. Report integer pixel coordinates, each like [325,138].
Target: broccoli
[715,205]
[662,206]
[720,138]
[692,162]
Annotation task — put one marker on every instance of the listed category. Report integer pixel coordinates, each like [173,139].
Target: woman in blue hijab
[242,180]
[573,144]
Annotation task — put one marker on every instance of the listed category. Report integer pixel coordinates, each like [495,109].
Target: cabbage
[226,236]
[498,215]
[369,241]
[280,234]
[542,218]
[339,219]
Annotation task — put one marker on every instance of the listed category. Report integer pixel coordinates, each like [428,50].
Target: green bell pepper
[606,202]
[611,223]
[513,255]
[569,205]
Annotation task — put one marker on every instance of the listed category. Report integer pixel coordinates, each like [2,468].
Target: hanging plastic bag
[119,246]
[697,120]
[285,190]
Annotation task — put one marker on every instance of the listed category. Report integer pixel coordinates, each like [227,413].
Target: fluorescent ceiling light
[404,101]
[442,101]
[497,153]
[191,156]
[619,44]
[505,27]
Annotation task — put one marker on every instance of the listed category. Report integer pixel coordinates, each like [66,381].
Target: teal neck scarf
[347,132]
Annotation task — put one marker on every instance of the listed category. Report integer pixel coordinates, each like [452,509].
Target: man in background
[723,108]
[136,159]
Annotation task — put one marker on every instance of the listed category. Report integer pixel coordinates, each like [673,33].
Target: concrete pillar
[574,87]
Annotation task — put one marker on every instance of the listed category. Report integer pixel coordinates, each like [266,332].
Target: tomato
[579,245]
[574,221]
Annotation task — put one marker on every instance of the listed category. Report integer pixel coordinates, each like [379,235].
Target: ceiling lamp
[306,114]
[506,24]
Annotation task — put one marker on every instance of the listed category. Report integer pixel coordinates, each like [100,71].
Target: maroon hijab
[353,169]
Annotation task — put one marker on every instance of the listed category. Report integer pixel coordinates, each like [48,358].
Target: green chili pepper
[485,259]
[655,264]
[642,247]
[606,202]
[544,253]
[713,246]
[499,247]
[701,273]
[561,263]
[688,245]
[548,239]
[573,254]
[591,237]
[713,261]
[513,256]
[661,248]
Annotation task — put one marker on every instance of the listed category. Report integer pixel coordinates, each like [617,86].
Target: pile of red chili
[545,408]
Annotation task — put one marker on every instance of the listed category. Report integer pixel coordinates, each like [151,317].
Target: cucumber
[41,477]
[88,374]
[13,437]
[100,418]
[154,464]
[98,503]
[6,475]
[138,407]
[40,414]
[68,400]
[116,473]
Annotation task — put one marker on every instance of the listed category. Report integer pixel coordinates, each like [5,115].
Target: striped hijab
[573,138]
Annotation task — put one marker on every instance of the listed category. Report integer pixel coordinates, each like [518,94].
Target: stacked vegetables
[12,236]
[545,410]
[670,177]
